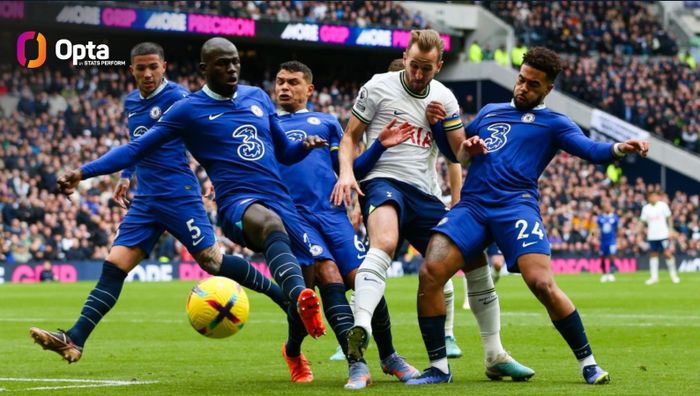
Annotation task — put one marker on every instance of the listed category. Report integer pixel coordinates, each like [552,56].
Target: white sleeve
[366,102]
[450,103]
[667,211]
[644,215]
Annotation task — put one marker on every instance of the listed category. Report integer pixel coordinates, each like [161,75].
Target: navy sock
[338,312]
[381,330]
[101,299]
[283,265]
[296,333]
[241,271]
[432,328]
[571,328]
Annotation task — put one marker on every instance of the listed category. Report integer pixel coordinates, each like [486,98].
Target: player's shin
[381,327]
[571,329]
[449,291]
[241,271]
[101,299]
[485,307]
[284,265]
[338,312]
[370,284]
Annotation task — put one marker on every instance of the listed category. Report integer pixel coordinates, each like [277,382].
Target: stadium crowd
[626,27]
[62,119]
[360,13]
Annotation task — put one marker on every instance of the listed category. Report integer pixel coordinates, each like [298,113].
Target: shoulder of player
[381,79]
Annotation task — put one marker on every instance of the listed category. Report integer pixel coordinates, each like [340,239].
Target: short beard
[530,105]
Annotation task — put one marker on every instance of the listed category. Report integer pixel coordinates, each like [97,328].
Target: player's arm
[450,135]
[290,152]
[573,141]
[342,191]
[390,136]
[166,129]
[454,174]
[669,219]
[119,195]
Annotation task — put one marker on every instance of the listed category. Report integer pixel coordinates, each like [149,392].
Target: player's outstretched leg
[69,344]
[465,305]
[287,273]
[453,350]
[485,307]
[391,362]
[537,273]
[241,271]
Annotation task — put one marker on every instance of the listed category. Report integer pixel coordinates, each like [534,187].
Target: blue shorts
[418,212]
[493,250]
[335,234]
[608,249]
[147,218]
[305,243]
[516,228]
[658,246]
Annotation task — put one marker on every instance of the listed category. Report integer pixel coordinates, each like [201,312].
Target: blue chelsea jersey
[607,224]
[520,145]
[164,172]
[311,181]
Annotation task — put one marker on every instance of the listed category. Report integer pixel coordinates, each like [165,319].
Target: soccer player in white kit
[400,198]
[658,218]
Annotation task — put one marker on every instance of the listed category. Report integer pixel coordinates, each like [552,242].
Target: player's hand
[314,141]
[471,147]
[342,191]
[209,192]
[435,112]
[119,194]
[69,181]
[635,146]
[392,135]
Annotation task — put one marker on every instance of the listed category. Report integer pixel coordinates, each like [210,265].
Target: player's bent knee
[125,257]
[327,272]
[429,276]
[210,259]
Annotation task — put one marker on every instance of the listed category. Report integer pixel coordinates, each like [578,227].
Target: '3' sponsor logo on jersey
[296,135]
[252,148]
[498,138]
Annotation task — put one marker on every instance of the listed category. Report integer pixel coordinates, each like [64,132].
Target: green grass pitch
[645,336]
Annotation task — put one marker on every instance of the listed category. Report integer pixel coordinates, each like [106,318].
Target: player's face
[222,70]
[420,67]
[607,207]
[148,71]
[292,90]
[653,198]
[531,86]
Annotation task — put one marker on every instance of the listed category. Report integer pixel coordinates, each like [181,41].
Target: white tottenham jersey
[386,97]
[655,216]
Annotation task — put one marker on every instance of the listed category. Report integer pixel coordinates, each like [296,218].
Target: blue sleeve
[335,134]
[440,137]
[124,156]
[573,141]
[287,152]
[126,173]
[365,162]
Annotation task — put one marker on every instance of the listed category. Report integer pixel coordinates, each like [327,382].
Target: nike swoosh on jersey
[396,112]
[490,115]
[215,116]
[195,243]
[131,114]
[526,244]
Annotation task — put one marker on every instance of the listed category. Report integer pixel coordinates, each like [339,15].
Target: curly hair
[545,60]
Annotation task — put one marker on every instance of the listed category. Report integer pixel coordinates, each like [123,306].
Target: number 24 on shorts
[522,226]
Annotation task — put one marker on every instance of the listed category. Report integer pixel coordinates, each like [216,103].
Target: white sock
[587,361]
[441,365]
[671,264]
[370,284]
[654,267]
[484,302]
[351,300]
[449,291]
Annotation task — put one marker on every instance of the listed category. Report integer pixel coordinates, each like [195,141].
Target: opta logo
[21,49]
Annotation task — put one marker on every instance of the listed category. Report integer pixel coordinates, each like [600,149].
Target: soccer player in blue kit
[310,183]
[233,132]
[500,203]
[168,198]
[608,222]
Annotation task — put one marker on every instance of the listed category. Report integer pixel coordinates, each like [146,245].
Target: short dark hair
[147,48]
[396,65]
[296,66]
[545,60]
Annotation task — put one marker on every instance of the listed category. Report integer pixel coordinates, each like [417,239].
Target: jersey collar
[408,90]
[156,92]
[216,96]
[281,112]
[540,106]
